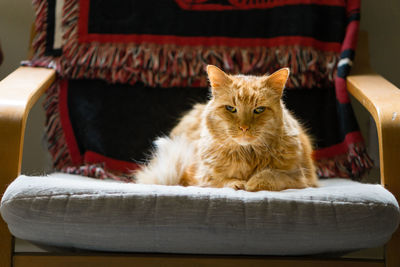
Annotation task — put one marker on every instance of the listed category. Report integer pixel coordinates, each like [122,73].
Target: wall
[380,18]
[382,21]
[16,18]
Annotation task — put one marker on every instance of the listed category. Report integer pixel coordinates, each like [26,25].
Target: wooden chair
[22,88]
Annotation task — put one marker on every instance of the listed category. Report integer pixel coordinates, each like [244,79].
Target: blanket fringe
[96,171]
[40,59]
[171,65]
[352,165]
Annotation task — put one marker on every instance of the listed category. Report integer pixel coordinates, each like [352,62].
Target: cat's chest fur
[238,162]
[232,161]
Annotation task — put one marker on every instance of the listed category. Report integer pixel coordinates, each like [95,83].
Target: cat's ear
[277,80]
[219,80]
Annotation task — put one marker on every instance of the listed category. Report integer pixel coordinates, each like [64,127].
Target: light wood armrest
[382,100]
[18,93]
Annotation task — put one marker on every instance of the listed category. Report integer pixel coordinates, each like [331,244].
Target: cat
[243,138]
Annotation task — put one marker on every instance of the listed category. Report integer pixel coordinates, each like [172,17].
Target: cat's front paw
[236,184]
[254,185]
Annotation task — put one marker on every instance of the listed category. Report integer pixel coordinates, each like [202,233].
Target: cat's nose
[244,128]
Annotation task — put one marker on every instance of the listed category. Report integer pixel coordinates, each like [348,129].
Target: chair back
[129,69]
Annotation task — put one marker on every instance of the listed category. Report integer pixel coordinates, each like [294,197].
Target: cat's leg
[273,180]
[310,172]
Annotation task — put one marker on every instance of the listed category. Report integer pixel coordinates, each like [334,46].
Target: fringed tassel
[352,165]
[171,65]
[96,171]
[39,41]
[39,58]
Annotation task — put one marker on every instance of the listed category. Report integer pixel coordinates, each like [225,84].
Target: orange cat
[243,138]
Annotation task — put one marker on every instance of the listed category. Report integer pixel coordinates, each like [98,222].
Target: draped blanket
[129,68]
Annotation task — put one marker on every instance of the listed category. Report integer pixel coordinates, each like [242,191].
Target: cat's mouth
[244,140]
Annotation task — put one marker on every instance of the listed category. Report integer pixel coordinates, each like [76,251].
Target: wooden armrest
[18,93]
[382,100]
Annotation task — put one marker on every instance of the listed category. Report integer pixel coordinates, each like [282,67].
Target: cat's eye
[231,109]
[259,110]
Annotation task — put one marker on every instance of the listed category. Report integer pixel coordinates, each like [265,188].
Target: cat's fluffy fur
[228,143]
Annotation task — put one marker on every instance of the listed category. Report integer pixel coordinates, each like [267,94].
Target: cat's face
[243,108]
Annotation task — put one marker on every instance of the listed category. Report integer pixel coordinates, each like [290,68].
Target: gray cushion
[74,211]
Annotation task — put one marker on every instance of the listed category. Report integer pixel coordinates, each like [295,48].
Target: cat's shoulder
[199,108]
[195,113]
[189,124]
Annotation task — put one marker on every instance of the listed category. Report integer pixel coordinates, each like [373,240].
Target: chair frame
[21,89]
